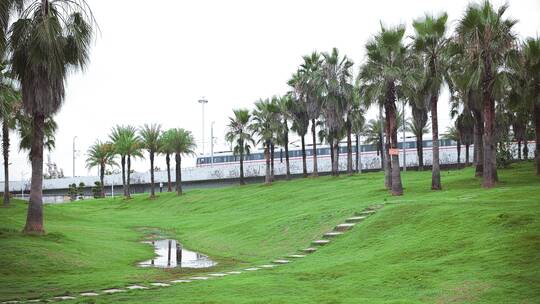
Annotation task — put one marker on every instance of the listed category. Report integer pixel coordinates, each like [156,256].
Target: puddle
[171,254]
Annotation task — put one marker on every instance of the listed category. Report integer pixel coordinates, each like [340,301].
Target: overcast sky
[153,60]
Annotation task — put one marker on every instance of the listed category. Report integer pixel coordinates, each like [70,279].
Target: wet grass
[460,245]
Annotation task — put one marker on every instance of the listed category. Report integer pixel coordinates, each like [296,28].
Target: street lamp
[203,101]
[74,151]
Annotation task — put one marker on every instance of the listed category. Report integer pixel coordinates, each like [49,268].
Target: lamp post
[203,101]
[212,143]
[74,137]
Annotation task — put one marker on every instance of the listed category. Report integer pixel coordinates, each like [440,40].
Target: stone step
[199,278]
[344,227]
[159,284]
[89,294]
[234,272]
[366,212]
[133,287]
[309,250]
[268,266]
[297,256]
[281,261]
[252,269]
[181,281]
[63,298]
[113,290]
[355,219]
[218,275]
[332,234]
[320,242]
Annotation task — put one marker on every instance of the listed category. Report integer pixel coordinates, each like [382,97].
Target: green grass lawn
[463,244]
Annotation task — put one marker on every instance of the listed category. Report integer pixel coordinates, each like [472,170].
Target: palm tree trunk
[152,190]
[102,179]
[349,150]
[267,177]
[304,163]
[123,164]
[242,182]
[519,149]
[178,172]
[420,152]
[537,126]
[336,158]
[478,142]
[358,168]
[287,164]
[5,150]
[315,172]
[490,169]
[34,217]
[467,162]
[387,158]
[128,180]
[168,161]
[332,154]
[272,161]
[391,117]
[458,153]
[525,148]
[435,169]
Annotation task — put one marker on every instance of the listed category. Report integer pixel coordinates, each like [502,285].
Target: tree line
[491,74]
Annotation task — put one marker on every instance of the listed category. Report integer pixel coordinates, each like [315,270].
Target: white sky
[154,60]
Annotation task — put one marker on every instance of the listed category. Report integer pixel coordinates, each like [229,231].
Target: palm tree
[263,123]
[166,149]
[418,127]
[41,63]
[10,98]
[100,155]
[430,40]
[374,135]
[181,142]
[465,127]
[300,120]
[487,38]
[127,144]
[285,103]
[386,65]
[238,135]
[338,96]
[25,127]
[150,140]
[356,119]
[452,133]
[308,86]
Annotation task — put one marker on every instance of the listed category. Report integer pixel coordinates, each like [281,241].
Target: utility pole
[212,143]
[74,151]
[203,101]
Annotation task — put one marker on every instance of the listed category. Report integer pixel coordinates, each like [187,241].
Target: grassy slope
[462,244]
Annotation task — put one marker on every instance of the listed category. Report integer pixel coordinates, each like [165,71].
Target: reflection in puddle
[171,254]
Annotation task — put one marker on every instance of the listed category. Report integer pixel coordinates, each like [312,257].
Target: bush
[96,190]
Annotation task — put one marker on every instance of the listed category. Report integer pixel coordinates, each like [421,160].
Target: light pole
[212,143]
[74,137]
[203,101]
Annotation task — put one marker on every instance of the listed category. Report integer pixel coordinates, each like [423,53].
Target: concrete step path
[338,230]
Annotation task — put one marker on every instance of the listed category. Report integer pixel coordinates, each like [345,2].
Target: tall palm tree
[238,135]
[166,149]
[386,65]
[10,97]
[338,98]
[356,119]
[181,142]
[300,119]
[100,155]
[285,104]
[151,141]
[487,37]
[264,124]
[430,40]
[128,145]
[41,63]
[465,127]
[308,84]
[418,127]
